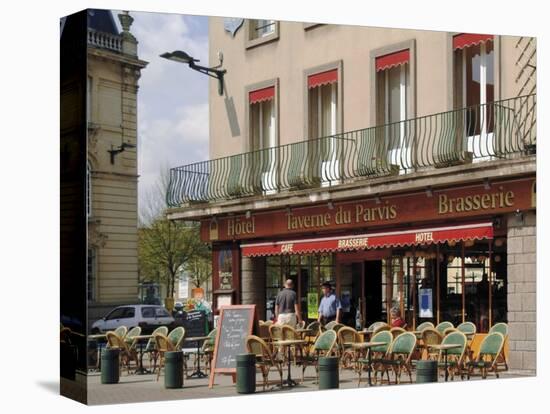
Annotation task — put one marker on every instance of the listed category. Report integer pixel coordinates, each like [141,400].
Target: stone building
[400,165]
[112,179]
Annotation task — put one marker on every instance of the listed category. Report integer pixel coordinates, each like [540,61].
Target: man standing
[286,308]
[330,308]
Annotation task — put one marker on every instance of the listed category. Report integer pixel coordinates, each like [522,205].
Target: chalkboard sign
[195,325]
[235,324]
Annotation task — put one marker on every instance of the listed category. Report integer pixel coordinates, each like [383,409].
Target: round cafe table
[288,344]
[357,346]
[445,348]
[197,373]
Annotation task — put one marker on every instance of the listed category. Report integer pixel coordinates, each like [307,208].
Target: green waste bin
[110,370]
[329,377]
[426,371]
[173,369]
[246,373]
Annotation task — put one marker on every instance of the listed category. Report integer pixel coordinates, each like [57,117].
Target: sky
[172,99]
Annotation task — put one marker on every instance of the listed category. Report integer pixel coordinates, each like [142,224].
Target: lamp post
[214,72]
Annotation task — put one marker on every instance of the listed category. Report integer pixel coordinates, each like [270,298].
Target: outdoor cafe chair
[265,359]
[276,334]
[396,331]
[455,356]
[337,326]
[431,336]
[346,336]
[131,334]
[301,324]
[444,325]
[264,331]
[399,356]
[379,327]
[289,333]
[120,331]
[376,352]
[447,331]
[177,338]
[127,353]
[424,325]
[164,344]
[487,359]
[502,328]
[467,328]
[207,349]
[330,325]
[324,346]
[151,347]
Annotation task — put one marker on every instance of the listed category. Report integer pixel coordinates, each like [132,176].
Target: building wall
[522,297]
[297,50]
[112,225]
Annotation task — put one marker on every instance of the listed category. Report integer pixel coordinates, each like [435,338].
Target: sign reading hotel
[472,201]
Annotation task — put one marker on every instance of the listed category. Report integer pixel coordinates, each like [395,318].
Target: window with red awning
[262,95]
[463,40]
[322,78]
[392,59]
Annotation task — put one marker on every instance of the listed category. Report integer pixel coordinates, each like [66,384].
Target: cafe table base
[198,373]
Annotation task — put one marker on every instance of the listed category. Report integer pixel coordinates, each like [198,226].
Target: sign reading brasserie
[459,202]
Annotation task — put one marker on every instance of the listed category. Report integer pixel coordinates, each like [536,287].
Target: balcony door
[263,139]
[392,78]
[474,73]
[322,126]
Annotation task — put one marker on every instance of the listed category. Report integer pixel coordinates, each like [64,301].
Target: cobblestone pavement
[143,388]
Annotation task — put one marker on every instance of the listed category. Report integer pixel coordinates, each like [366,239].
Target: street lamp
[214,72]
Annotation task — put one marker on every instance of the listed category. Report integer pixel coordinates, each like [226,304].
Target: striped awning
[463,40]
[471,231]
[322,78]
[392,59]
[261,95]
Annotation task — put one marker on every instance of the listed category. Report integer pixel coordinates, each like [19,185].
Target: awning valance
[322,78]
[392,59]
[261,95]
[463,40]
[472,231]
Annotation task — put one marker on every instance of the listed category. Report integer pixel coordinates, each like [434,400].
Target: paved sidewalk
[143,388]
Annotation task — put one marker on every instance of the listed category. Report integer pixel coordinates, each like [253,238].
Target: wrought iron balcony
[497,130]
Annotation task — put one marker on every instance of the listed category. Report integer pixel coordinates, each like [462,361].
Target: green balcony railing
[497,130]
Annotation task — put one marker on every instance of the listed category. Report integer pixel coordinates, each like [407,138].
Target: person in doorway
[330,308]
[395,319]
[286,307]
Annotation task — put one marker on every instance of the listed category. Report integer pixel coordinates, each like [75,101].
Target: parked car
[148,317]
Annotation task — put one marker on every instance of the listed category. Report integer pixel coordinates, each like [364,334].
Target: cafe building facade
[413,188]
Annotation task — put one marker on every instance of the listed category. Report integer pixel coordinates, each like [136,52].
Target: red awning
[463,40]
[323,78]
[475,231]
[261,95]
[392,59]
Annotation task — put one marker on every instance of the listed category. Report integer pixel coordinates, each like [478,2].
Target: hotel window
[261,31]
[473,88]
[392,108]
[263,139]
[322,125]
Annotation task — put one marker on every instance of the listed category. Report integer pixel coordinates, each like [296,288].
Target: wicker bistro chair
[324,346]
[330,325]
[431,336]
[265,359]
[455,356]
[289,333]
[120,331]
[276,334]
[424,325]
[132,333]
[207,349]
[301,324]
[379,327]
[444,325]
[345,337]
[164,344]
[447,331]
[377,353]
[315,328]
[487,359]
[264,331]
[151,347]
[467,328]
[396,331]
[399,356]
[337,326]
[502,328]
[127,353]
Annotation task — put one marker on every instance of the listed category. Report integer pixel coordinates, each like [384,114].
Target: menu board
[234,325]
[195,325]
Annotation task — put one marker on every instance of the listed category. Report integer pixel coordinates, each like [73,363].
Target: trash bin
[110,369]
[173,369]
[426,371]
[246,373]
[329,377]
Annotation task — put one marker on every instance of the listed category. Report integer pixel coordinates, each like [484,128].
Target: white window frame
[483,139]
[267,176]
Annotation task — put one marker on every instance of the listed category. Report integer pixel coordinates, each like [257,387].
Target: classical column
[253,283]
